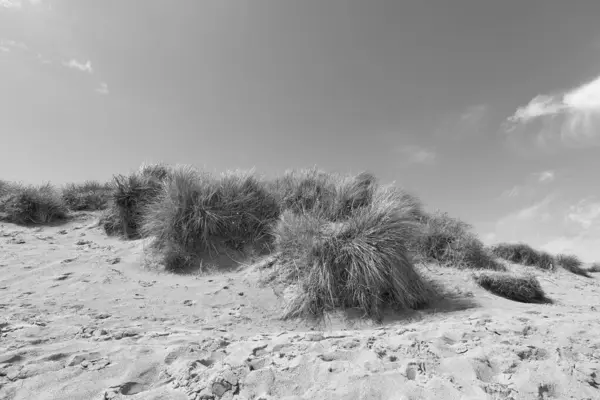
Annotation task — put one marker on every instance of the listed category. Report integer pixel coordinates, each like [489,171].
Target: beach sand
[82,316]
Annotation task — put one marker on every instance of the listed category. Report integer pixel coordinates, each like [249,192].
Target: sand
[82,316]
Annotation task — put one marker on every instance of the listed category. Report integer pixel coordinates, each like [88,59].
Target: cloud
[74,64]
[512,192]
[470,122]
[585,213]
[8,45]
[16,4]
[413,154]
[11,4]
[531,187]
[535,211]
[555,225]
[545,176]
[571,118]
[102,88]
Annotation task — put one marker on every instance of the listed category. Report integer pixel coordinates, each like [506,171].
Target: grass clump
[306,190]
[129,198]
[87,196]
[595,267]
[572,264]
[32,204]
[361,262]
[520,253]
[160,171]
[524,289]
[333,196]
[197,212]
[449,242]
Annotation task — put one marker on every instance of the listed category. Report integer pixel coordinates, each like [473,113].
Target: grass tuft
[333,196]
[572,264]
[159,171]
[87,196]
[32,204]
[361,262]
[130,196]
[595,267]
[520,253]
[524,289]
[449,242]
[196,212]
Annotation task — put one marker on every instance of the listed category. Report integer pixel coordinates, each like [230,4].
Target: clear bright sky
[489,110]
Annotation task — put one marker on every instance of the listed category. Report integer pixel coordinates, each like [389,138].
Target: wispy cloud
[470,122]
[102,88]
[555,225]
[531,186]
[585,213]
[8,45]
[545,176]
[11,4]
[16,4]
[512,192]
[585,217]
[571,118]
[83,67]
[413,154]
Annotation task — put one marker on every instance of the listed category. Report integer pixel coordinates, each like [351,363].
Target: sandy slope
[80,318]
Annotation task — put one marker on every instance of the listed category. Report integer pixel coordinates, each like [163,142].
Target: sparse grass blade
[572,264]
[449,241]
[520,253]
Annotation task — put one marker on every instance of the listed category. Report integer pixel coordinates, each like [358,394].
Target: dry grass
[87,196]
[520,253]
[196,212]
[572,264]
[524,288]
[594,268]
[32,204]
[449,242]
[333,196]
[130,196]
[360,262]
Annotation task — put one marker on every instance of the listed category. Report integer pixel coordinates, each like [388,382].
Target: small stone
[220,388]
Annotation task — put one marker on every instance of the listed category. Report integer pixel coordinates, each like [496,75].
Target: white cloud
[16,4]
[102,88]
[74,64]
[11,3]
[535,211]
[555,226]
[571,118]
[413,154]
[11,44]
[471,122]
[530,188]
[585,213]
[545,176]
[512,192]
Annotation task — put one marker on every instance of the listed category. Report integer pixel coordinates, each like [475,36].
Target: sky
[488,110]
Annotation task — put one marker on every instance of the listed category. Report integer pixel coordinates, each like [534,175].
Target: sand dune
[83,317]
